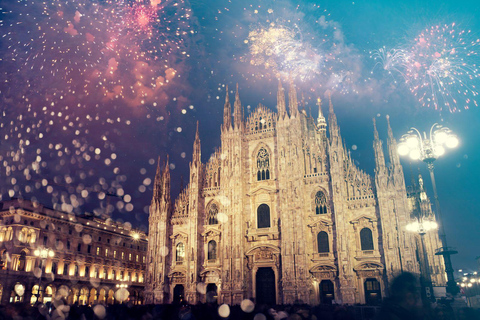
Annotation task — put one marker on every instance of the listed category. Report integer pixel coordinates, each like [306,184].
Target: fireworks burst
[439,67]
[301,43]
[281,49]
[141,17]
[393,60]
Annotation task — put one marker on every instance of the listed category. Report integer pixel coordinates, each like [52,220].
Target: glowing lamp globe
[403,149]
[439,151]
[414,154]
[412,142]
[441,137]
[452,142]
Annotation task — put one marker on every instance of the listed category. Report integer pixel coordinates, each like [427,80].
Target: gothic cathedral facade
[281,214]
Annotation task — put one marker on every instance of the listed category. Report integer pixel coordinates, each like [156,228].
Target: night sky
[93,91]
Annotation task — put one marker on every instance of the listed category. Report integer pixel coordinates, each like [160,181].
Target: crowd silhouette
[404,303]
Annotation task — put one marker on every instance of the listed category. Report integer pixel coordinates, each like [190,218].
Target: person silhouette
[404,302]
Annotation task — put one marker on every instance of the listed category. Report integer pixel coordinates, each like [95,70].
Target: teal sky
[93,137]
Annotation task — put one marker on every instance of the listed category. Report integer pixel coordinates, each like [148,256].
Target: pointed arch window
[322,242]
[263,164]
[213,214]
[212,250]
[263,216]
[320,203]
[180,252]
[366,239]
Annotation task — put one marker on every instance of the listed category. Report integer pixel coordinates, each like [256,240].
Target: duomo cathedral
[281,214]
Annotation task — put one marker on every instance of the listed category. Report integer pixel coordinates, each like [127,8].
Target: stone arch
[102,295]
[49,293]
[110,297]
[93,296]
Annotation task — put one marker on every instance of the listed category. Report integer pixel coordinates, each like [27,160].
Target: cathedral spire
[392,146]
[282,110]
[237,110]
[303,105]
[377,147]
[332,118]
[157,184]
[196,158]
[166,181]
[227,112]
[292,99]
[321,123]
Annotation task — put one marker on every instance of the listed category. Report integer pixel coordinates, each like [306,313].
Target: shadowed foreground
[213,311]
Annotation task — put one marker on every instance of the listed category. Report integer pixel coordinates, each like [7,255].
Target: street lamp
[43,254]
[428,149]
[422,225]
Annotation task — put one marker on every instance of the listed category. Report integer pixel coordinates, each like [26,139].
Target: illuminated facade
[91,260]
[280,213]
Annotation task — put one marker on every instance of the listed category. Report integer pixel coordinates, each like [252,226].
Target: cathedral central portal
[265,286]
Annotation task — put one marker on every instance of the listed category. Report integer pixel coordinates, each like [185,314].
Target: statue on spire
[321,123]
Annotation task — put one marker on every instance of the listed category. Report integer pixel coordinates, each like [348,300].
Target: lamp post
[428,149]
[422,225]
[43,254]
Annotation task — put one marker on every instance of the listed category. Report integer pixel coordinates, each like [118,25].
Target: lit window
[130,257]
[106,252]
[98,251]
[180,252]
[114,254]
